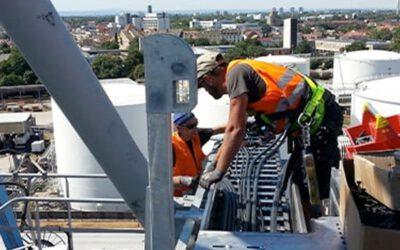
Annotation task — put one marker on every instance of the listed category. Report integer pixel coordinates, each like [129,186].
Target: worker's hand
[211,177]
[189,181]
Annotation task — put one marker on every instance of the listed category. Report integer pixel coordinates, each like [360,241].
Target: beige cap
[207,63]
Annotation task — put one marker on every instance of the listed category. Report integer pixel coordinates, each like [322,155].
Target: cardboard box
[357,234]
[380,177]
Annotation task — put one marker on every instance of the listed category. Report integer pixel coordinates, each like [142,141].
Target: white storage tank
[73,157]
[211,113]
[383,95]
[355,67]
[300,64]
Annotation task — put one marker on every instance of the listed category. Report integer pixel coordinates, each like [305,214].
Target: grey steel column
[40,34]
[170,70]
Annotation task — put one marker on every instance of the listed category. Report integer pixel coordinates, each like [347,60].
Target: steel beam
[40,34]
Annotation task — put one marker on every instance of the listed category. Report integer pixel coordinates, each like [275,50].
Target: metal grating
[255,176]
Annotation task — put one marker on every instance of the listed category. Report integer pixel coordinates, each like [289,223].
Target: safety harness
[313,112]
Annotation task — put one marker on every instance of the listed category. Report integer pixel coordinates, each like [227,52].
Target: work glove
[188,181]
[210,167]
[210,178]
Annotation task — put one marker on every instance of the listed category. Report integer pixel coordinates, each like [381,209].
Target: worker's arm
[233,137]
[234,132]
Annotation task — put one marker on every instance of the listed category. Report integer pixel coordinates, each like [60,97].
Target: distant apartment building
[205,24]
[156,21]
[292,11]
[215,36]
[331,45]
[232,36]
[241,26]
[137,21]
[257,17]
[273,19]
[147,22]
[339,45]
[290,29]
[319,17]
[123,19]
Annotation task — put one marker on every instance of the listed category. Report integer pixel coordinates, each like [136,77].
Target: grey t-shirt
[241,79]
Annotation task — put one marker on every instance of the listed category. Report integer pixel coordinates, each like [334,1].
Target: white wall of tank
[358,66]
[383,95]
[73,157]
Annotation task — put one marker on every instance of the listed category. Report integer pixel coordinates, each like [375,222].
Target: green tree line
[16,71]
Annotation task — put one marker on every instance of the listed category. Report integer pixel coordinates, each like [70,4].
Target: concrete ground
[4,164]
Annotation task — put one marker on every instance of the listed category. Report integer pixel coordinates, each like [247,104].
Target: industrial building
[290,33]
[112,140]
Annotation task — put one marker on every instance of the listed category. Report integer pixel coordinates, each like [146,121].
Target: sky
[165,5]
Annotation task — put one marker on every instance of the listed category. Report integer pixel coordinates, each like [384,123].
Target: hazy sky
[90,5]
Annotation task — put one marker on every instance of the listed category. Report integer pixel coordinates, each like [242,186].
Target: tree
[109,45]
[244,49]
[305,29]
[358,45]
[15,70]
[134,58]
[29,77]
[265,29]
[108,66]
[14,64]
[138,73]
[202,41]
[4,48]
[316,63]
[321,63]
[381,34]
[303,48]
[396,40]
[11,80]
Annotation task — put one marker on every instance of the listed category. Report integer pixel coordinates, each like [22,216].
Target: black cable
[277,196]
[229,202]
[249,176]
[273,148]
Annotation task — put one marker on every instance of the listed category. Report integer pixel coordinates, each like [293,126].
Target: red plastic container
[376,133]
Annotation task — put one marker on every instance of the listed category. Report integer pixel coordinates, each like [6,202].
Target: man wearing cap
[280,98]
[188,156]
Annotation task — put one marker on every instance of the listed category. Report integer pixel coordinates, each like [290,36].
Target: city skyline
[181,5]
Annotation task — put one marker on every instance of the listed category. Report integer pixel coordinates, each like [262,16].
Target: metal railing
[35,229]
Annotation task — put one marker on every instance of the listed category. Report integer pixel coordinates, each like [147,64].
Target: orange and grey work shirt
[272,89]
[188,157]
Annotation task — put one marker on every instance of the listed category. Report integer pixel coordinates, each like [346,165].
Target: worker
[281,99]
[188,156]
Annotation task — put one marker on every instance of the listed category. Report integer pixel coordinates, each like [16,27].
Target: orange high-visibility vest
[284,89]
[186,164]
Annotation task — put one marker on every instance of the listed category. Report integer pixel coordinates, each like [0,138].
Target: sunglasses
[191,126]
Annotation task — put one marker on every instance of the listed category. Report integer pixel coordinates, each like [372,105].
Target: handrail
[59,199]
[53,175]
